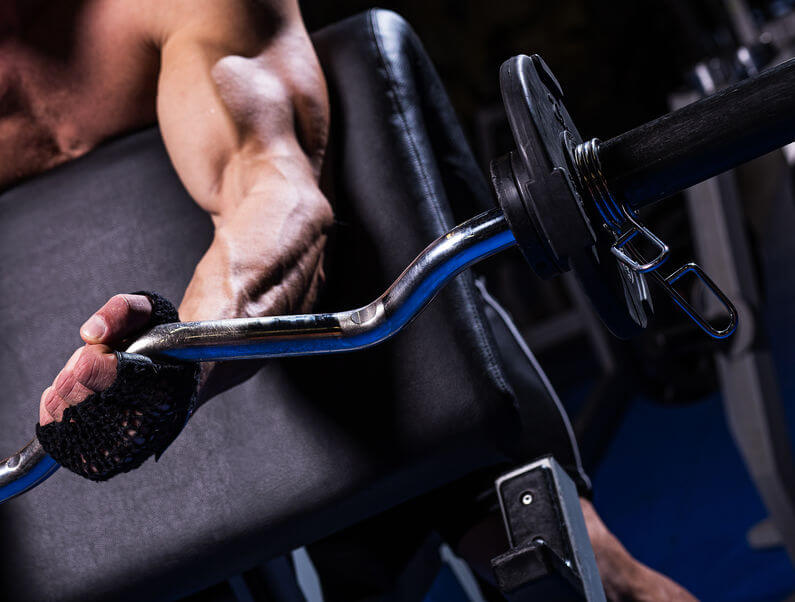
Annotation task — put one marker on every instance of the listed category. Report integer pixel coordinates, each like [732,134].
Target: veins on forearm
[266,257]
[289,287]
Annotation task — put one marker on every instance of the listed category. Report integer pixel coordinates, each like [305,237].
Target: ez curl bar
[567,204]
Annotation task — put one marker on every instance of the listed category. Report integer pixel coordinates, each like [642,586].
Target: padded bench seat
[307,446]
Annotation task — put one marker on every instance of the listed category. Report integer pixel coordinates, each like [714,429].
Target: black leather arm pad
[139,415]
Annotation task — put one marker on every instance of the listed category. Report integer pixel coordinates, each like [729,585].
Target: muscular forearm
[266,257]
[244,114]
[266,254]
[243,111]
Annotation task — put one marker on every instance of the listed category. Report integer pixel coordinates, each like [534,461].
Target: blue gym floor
[673,487]
[674,490]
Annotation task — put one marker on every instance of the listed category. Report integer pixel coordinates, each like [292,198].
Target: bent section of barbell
[309,334]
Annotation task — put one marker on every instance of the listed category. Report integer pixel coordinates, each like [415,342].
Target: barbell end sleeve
[739,123]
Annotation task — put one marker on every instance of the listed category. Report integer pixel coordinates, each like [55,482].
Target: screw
[527,498]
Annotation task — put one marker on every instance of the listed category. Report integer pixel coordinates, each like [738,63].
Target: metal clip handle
[629,234]
[667,284]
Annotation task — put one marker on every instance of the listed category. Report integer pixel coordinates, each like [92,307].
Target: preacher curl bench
[311,445]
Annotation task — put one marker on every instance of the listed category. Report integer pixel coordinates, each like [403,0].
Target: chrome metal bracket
[631,229]
[667,283]
[626,229]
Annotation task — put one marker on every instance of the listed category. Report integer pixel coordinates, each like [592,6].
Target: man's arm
[244,114]
[243,111]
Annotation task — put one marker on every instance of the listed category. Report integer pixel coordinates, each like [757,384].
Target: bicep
[225,105]
[198,132]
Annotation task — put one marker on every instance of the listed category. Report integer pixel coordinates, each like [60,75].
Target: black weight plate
[549,201]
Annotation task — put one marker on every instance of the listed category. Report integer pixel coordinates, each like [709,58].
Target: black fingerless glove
[139,415]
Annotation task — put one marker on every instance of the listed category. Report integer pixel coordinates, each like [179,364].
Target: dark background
[617,61]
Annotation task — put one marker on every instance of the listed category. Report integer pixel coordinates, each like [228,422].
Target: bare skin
[241,102]
[242,106]
[624,578]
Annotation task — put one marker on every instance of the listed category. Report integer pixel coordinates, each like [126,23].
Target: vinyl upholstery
[307,446]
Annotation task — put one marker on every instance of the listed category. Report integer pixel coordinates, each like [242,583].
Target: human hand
[108,411]
[92,368]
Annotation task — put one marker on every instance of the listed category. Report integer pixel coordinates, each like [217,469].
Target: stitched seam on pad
[478,327]
[391,80]
[509,324]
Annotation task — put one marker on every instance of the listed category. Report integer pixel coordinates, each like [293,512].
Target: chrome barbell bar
[307,334]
